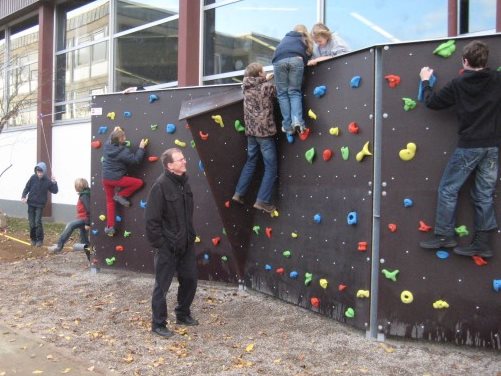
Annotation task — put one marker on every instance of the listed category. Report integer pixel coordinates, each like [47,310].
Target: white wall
[70,160]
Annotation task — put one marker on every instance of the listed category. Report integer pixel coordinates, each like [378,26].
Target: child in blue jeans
[289,59]
[83,217]
[260,128]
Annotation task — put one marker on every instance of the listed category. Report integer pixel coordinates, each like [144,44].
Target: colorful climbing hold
[274,214]
[392,275]
[290,138]
[102,129]
[363,153]
[355,82]
[256,229]
[127,233]
[204,136]
[408,203]
[323,283]
[462,231]
[218,120]
[239,127]
[127,114]
[423,227]
[206,256]
[362,246]
[353,128]
[320,91]
[352,218]
[305,134]
[392,227]
[393,80]
[317,218]
[268,267]
[445,49]
[96,144]
[442,254]
[310,155]
[409,152]
[363,294]
[496,285]
[406,297]
[334,131]
[216,240]
[287,253]
[311,114]
[180,143]
[440,304]
[110,261]
[201,166]
[293,274]
[153,98]
[345,152]
[350,313]
[224,258]
[119,248]
[153,127]
[341,287]
[327,155]
[152,158]
[170,128]
[315,302]
[111,115]
[143,204]
[102,217]
[268,231]
[95,231]
[280,271]
[294,235]
[409,104]
[479,261]
[197,239]
[308,277]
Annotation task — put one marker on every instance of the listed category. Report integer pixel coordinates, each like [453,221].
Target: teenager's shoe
[121,200]
[478,247]
[38,243]
[162,331]
[33,243]
[56,248]
[237,198]
[110,231]
[439,241]
[186,320]
[268,208]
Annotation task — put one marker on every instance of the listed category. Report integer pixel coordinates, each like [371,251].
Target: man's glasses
[180,160]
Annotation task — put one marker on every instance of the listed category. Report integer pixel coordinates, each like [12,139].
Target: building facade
[55,55]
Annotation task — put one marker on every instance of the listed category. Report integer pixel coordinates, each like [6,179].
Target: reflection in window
[247,31]
[147,57]
[365,23]
[131,14]
[481,15]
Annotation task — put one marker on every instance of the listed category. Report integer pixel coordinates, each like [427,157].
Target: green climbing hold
[256,229]
[350,312]
[409,104]
[224,258]
[462,231]
[224,231]
[445,49]
[127,143]
[154,127]
[345,152]
[391,274]
[192,143]
[110,261]
[127,234]
[287,253]
[498,69]
[239,126]
[309,155]
[308,277]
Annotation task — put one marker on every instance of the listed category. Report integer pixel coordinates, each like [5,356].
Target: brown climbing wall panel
[474,307]
[137,254]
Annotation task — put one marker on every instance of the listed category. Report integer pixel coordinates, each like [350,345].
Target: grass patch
[20,225]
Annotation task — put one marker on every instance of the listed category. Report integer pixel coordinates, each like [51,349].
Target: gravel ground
[104,319]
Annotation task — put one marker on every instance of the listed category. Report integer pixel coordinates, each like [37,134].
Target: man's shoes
[162,331]
[186,320]
[33,243]
[110,231]
[480,246]
[55,248]
[268,208]
[439,241]
[38,243]
[237,198]
[121,200]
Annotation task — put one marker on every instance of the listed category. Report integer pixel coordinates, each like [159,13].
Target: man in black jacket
[476,94]
[169,229]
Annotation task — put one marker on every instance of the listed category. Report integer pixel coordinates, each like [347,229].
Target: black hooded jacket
[37,188]
[169,214]
[477,97]
[117,158]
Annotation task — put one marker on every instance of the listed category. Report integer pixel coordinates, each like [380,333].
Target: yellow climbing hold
[294,235]
[324,283]
[440,304]
[197,239]
[363,294]
[111,115]
[275,213]
[409,152]
[218,119]
[406,297]
[180,143]
[102,217]
[363,153]
[334,131]
[311,114]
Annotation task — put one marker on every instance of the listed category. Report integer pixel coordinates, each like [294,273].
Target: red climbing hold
[362,246]
[424,227]
[303,136]
[393,80]
[327,154]
[96,144]
[268,232]
[342,287]
[280,271]
[392,227]
[479,260]
[227,204]
[204,136]
[315,302]
[353,128]
[152,158]
[119,248]
[216,240]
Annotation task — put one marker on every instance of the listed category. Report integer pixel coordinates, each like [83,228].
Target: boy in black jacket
[35,195]
[476,95]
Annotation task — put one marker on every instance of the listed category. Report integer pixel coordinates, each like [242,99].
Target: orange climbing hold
[204,136]
[152,158]
[424,227]
[342,287]
[227,204]
[268,232]
[280,271]
[327,154]
[96,144]
[479,260]
[393,80]
[216,240]
[362,246]
[119,248]
[353,128]
[315,302]
[303,136]
[392,227]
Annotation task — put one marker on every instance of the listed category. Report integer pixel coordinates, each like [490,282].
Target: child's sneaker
[110,231]
[268,208]
[288,131]
[299,128]
[121,200]
[237,198]
[56,248]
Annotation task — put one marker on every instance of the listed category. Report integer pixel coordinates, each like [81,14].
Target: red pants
[129,186]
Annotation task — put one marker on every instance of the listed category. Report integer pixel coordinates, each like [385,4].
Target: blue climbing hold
[355,82]
[320,91]
[201,166]
[152,98]
[102,129]
[206,257]
[352,218]
[442,254]
[118,218]
[293,275]
[267,267]
[170,128]
[290,138]
[496,285]
[408,202]
[95,232]
[317,218]
[127,114]
[142,204]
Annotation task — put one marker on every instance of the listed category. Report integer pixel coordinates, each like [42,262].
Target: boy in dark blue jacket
[35,195]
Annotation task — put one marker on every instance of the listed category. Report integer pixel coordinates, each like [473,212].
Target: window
[481,16]
[131,14]
[365,23]
[239,33]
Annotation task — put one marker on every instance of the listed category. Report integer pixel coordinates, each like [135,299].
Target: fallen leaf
[128,359]
[66,370]
[250,347]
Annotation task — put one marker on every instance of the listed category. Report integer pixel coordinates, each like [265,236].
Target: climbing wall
[427,294]
[153,115]
[315,250]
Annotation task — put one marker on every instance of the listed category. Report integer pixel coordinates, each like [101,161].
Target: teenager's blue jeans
[483,162]
[68,230]
[265,146]
[288,74]
[35,221]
